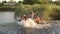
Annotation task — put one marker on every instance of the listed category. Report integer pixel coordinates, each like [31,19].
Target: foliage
[42,8]
[22,9]
[32,2]
[56,14]
[51,12]
[36,1]
[25,9]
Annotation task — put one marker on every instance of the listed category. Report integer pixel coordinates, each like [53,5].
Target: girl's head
[32,13]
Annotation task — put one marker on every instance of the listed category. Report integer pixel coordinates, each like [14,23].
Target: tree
[35,1]
[32,2]
[4,2]
[11,0]
[28,2]
[56,14]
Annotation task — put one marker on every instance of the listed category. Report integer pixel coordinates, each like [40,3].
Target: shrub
[51,12]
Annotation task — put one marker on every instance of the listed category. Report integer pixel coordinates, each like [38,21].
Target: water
[6,17]
[14,28]
[8,26]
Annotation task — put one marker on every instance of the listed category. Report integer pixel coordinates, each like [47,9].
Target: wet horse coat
[27,23]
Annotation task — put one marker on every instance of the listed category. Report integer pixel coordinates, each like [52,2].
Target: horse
[31,23]
[27,22]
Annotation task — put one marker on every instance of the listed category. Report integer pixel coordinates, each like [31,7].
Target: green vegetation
[46,10]
[50,9]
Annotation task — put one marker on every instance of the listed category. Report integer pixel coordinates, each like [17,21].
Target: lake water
[6,17]
[9,26]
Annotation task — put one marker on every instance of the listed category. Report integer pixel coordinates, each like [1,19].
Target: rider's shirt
[31,17]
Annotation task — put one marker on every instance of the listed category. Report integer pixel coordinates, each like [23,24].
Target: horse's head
[36,19]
